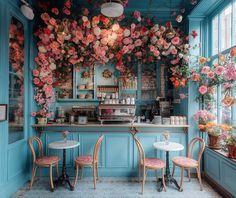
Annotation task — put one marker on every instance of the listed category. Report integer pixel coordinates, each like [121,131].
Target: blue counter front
[118,153]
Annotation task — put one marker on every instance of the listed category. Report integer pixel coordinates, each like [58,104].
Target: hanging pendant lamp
[112,8]
[170,32]
[26,10]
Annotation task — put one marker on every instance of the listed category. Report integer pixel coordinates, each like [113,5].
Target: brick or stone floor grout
[116,187]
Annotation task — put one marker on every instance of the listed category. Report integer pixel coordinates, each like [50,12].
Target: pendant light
[170,32]
[26,10]
[113,8]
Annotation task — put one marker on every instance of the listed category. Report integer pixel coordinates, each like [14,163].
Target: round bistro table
[63,145]
[167,147]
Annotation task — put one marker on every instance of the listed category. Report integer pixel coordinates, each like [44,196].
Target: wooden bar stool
[188,162]
[88,160]
[42,161]
[148,163]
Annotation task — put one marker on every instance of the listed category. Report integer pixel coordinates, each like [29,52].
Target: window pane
[226,28]
[234,23]
[215,39]
[226,113]
[16,81]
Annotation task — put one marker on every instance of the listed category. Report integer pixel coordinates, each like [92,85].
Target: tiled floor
[116,188]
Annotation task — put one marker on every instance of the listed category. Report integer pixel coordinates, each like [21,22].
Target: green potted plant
[230,141]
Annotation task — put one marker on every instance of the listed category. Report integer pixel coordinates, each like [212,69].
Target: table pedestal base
[64,178]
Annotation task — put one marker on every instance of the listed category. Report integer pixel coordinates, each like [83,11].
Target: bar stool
[148,163]
[42,161]
[188,162]
[88,160]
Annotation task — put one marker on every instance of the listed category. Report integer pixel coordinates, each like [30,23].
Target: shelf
[85,89]
[77,100]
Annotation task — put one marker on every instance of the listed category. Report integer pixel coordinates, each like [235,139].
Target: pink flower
[126,41]
[138,43]
[33,114]
[175,40]
[35,73]
[202,89]
[136,14]
[210,74]
[36,81]
[173,51]
[45,17]
[120,18]
[219,70]
[156,53]
[205,70]
[55,11]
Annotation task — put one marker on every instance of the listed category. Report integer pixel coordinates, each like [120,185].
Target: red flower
[194,34]
[55,11]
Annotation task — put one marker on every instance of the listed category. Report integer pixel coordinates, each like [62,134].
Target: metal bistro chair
[42,161]
[148,163]
[188,162]
[88,160]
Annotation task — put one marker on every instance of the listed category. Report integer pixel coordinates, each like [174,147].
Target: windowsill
[223,153]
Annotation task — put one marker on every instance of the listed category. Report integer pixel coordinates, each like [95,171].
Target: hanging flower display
[97,40]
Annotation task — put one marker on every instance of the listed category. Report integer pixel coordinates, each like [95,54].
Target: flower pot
[42,120]
[214,141]
[232,151]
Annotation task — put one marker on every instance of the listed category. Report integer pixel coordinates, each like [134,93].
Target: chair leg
[189,176]
[94,175]
[57,170]
[51,179]
[76,175]
[34,169]
[144,178]
[181,181]
[163,178]
[173,171]
[199,177]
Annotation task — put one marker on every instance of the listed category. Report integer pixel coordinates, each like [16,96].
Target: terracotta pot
[42,120]
[232,151]
[214,141]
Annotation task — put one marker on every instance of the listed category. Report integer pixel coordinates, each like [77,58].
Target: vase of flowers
[214,132]
[41,116]
[65,135]
[203,117]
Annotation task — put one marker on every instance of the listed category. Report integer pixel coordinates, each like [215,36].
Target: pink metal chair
[88,160]
[148,163]
[188,162]
[42,161]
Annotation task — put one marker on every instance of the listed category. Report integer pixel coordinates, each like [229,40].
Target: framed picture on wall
[3,112]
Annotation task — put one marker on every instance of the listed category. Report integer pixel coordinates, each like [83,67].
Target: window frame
[217,13]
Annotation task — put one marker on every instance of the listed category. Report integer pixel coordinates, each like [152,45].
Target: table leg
[168,177]
[64,178]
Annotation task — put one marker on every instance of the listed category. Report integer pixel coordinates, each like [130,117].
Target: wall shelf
[77,100]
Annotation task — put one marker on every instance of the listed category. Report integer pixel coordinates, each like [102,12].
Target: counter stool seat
[47,160]
[185,162]
[154,163]
[84,160]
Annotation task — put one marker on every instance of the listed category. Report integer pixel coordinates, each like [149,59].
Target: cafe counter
[118,153]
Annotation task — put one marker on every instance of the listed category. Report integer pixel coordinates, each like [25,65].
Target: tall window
[223,28]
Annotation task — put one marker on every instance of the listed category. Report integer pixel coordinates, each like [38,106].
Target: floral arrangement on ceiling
[93,41]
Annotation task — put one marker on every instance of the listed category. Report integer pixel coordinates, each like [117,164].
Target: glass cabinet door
[16,81]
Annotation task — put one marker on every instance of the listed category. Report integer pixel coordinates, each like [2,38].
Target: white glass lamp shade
[112,9]
[27,11]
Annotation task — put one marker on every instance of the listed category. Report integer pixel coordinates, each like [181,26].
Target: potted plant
[41,116]
[230,141]
[203,117]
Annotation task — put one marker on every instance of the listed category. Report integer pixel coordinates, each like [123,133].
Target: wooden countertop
[98,124]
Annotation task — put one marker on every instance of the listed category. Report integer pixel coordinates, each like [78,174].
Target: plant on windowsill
[214,132]
[230,142]
[203,117]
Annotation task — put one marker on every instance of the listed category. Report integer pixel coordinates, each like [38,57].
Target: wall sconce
[26,10]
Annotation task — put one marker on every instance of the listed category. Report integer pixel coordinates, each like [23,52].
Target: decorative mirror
[16,81]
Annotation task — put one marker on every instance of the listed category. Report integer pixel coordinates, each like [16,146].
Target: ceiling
[160,9]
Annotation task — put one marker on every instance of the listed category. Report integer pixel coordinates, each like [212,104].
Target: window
[223,30]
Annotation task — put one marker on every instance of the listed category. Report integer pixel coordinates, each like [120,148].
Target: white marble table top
[64,144]
[168,146]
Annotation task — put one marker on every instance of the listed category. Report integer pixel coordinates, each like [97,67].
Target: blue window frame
[223,38]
